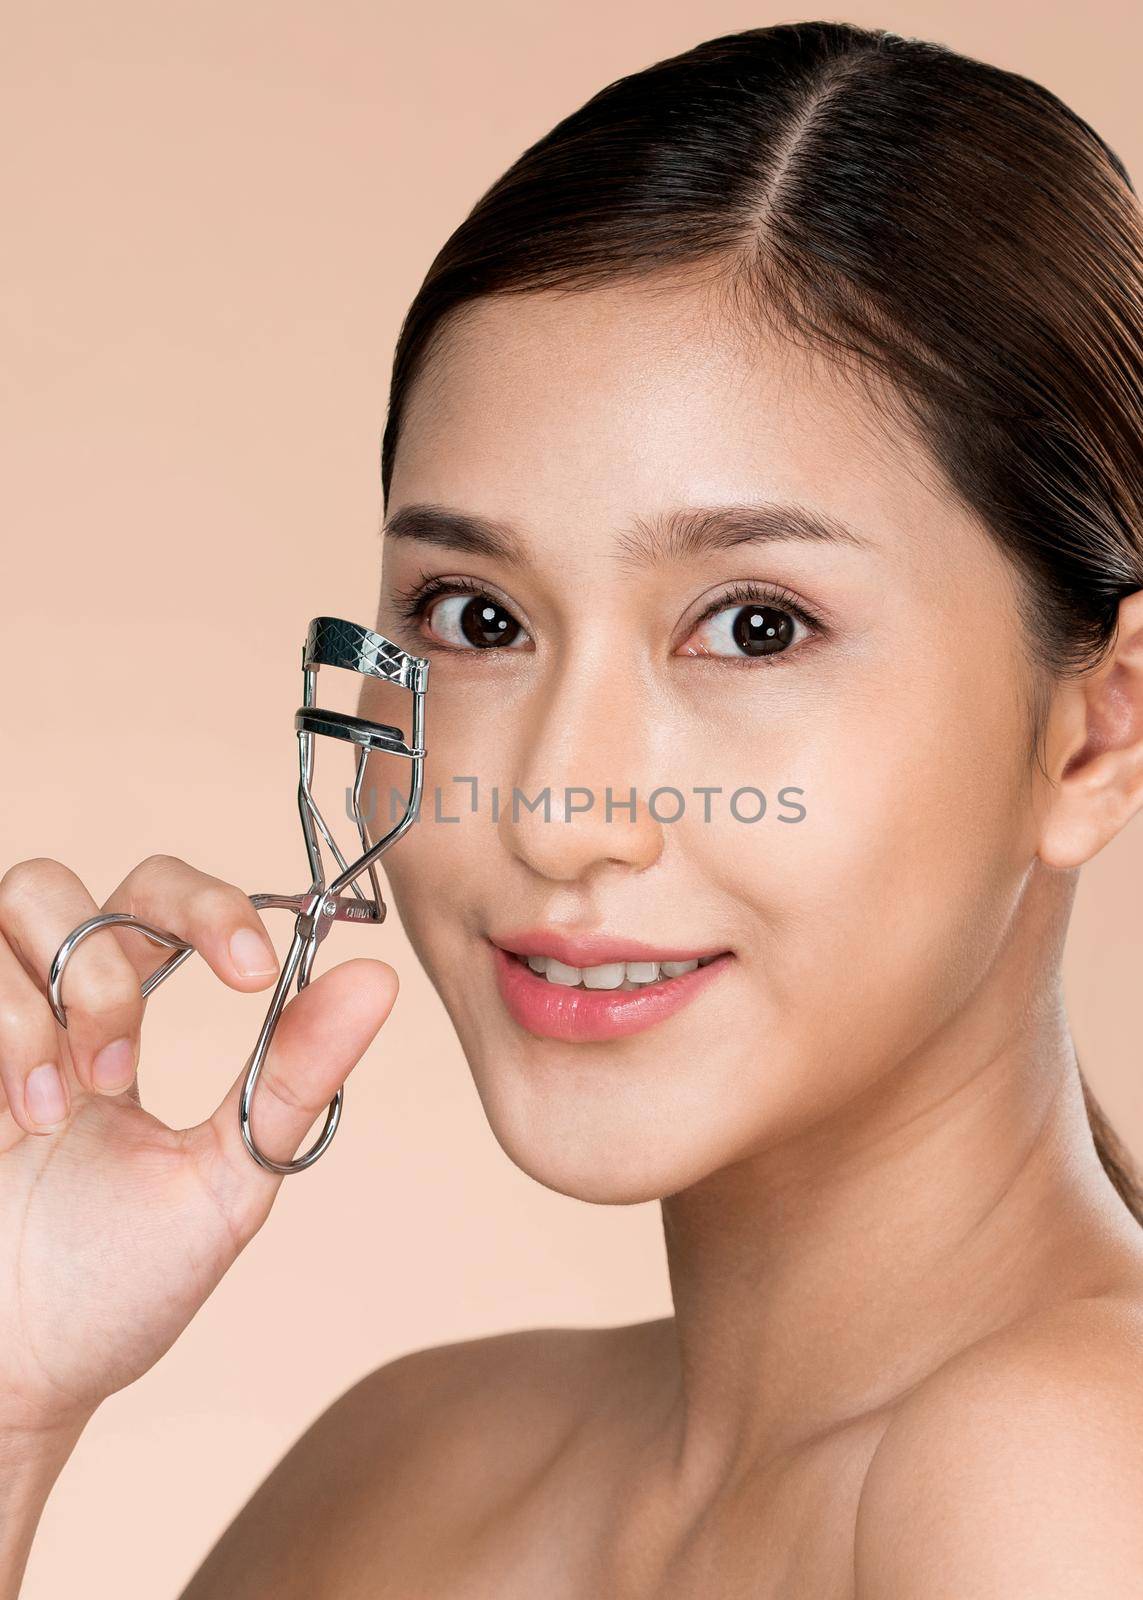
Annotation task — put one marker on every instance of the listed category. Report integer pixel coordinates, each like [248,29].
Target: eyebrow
[685,532]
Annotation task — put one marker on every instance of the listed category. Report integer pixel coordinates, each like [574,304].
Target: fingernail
[114,1066]
[251,954]
[45,1096]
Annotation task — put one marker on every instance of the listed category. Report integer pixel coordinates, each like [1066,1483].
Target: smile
[626,975]
[554,1000]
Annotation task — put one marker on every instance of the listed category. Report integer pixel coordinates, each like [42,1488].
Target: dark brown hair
[933,221]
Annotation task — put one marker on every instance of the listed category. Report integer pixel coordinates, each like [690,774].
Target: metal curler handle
[110,919]
[309,930]
[310,927]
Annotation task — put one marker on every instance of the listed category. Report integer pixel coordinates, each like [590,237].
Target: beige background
[214,217]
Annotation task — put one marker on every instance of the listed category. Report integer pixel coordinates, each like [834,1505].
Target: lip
[591,1016]
[595,949]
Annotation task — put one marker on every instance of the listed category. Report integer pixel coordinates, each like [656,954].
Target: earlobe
[1095,750]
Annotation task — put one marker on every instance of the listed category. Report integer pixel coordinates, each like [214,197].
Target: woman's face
[857,662]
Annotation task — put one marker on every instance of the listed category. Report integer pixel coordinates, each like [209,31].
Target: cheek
[885,904]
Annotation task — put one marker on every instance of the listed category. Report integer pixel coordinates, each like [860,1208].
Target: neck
[817,1281]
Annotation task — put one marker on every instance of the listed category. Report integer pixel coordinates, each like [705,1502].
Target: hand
[114,1228]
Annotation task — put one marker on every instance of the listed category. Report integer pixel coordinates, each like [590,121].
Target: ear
[1094,750]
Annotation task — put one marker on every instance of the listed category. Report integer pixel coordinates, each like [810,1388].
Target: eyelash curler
[329,643]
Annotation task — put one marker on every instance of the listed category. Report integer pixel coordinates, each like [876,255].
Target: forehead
[553,410]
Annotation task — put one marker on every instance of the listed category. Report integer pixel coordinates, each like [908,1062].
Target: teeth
[612,974]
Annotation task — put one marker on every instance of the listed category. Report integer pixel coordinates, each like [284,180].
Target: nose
[577,802]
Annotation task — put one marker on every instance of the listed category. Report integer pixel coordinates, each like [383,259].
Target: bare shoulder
[1017,1467]
[413,1456]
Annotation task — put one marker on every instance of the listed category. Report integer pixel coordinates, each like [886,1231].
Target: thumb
[321,1035]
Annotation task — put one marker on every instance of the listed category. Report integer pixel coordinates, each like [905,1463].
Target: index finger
[214,916]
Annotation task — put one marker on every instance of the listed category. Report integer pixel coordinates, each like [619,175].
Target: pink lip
[594,949]
[583,1016]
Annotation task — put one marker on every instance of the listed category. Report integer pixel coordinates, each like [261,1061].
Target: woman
[768,438]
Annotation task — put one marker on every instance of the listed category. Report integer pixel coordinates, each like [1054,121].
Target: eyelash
[746,593]
[413,602]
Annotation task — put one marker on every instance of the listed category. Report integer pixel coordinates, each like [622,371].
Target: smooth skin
[906,1353]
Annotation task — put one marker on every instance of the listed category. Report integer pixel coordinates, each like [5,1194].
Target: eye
[464,619]
[758,623]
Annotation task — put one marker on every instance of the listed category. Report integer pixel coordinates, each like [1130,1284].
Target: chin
[597,1133]
[605,1176]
